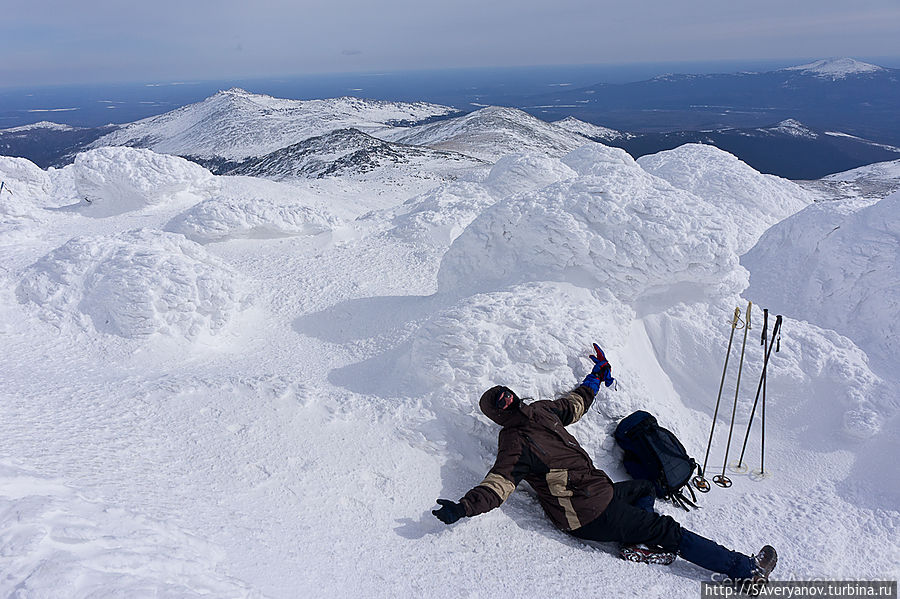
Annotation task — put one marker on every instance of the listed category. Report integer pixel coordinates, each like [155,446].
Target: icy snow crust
[229,387]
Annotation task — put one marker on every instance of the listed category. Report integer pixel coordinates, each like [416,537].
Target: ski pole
[700,481]
[775,341]
[720,479]
[762,444]
[762,447]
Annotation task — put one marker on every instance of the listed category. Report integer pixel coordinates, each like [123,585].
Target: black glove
[449,512]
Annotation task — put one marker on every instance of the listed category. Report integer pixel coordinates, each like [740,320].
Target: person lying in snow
[580,499]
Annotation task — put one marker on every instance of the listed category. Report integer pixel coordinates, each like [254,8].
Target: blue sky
[58,42]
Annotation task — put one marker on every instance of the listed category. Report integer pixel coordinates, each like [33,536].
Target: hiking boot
[642,553]
[763,563]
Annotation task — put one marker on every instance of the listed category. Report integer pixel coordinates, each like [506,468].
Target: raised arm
[572,406]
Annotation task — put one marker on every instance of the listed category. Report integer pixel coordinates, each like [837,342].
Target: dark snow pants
[629,519]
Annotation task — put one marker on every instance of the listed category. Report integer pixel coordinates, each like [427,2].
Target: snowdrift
[111,181]
[836,264]
[25,182]
[135,284]
[820,376]
[439,215]
[614,227]
[523,337]
[517,173]
[751,200]
[25,190]
[220,220]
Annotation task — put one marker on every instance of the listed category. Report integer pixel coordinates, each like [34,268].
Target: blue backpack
[655,454]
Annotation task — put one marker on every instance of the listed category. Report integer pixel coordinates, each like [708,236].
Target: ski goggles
[504,399]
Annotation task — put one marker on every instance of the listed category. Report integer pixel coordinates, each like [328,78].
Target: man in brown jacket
[580,499]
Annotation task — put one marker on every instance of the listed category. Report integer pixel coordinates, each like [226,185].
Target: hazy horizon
[47,42]
[614,72]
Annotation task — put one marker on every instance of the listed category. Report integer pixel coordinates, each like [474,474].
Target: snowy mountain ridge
[490,133]
[836,68]
[353,153]
[236,124]
[48,125]
[793,128]
[591,131]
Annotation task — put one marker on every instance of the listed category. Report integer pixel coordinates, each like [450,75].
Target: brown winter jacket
[534,446]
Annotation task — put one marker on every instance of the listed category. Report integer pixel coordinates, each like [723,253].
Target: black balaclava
[513,415]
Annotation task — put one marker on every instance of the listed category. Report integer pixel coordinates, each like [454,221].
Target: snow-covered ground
[234,387]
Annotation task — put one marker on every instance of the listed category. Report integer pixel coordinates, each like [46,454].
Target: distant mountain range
[803,122]
[843,95]
[788,148]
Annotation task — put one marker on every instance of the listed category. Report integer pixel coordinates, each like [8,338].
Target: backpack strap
[683,502]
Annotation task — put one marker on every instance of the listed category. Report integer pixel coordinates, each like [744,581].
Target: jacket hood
[515,415]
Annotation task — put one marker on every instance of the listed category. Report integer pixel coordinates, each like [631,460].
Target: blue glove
[449,512]
[602,371]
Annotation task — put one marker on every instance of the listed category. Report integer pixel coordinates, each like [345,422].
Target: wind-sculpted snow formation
[836,264]
[516,173]
[751,200]
[811,363]
[522,337]
[25,191]
[110,181]
[614,227]
[618,245]
[135,284]
[439,215]
[220,220]
[24,182]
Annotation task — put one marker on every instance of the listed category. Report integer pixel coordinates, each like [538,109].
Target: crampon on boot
[761,566]
[642,553]
[763,563]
